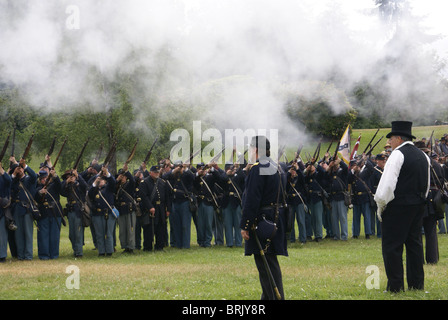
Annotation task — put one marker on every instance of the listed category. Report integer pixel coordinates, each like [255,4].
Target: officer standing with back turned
[263,191]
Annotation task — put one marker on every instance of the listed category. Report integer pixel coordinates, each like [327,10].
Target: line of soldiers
[139,203]
[318,195]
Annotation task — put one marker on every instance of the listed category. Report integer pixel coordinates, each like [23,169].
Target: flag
[355,148]
[344,146]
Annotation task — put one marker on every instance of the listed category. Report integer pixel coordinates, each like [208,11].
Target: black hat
[12,168]
[155,169]
[44,165]
[421,145]
[96,166]
[43,173]
[380,156]
[260,141]
[66,174]
[401,128]
[178,163]
[200,165]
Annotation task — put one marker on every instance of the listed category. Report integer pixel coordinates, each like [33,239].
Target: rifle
[59,153]
[192,157]
[335,155]
[297,154]
[100,151]
[371,140]
[110,155]
[371,149]
[28,148]
[214,159]
[316,153]
[241,157]
[13,140]
[5,147]
[131,155]
[281,151]
[50,151]
[239,161]
[50,176]
[78,160]
[148,155]
[329,147]
[430,140]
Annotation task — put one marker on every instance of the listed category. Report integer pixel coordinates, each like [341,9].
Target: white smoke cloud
[241,51]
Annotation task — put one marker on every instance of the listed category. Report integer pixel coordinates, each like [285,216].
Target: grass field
[328,270]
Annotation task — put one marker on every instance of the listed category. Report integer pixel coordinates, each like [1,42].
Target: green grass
[329,270]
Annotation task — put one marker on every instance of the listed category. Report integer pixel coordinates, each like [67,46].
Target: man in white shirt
[400,197]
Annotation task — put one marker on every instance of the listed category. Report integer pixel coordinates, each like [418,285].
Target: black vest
[412,181]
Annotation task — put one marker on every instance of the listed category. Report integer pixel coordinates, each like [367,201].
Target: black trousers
[267,289]
[402,226]
[431,240]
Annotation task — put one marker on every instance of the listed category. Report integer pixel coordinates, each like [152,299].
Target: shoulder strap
[101,195]
[297,192]
[185,189]
[28,195]
[365,185]
[238,191]
[211,193]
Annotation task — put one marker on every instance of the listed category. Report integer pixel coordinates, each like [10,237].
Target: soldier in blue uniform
[260,198]
[23,188]
[155,196]
[5,197]
[338,176]
[231,203]
[101,195]
[49,223]
[204,185]
[124,202]
[141,220]
[181,178]
[74,188]
[326,216]
[89,176]
[359,178]
[297,200]
[314,177]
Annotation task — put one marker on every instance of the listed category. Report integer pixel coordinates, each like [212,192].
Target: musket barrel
[5,147]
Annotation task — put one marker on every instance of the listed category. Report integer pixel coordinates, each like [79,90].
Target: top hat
[401,128]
